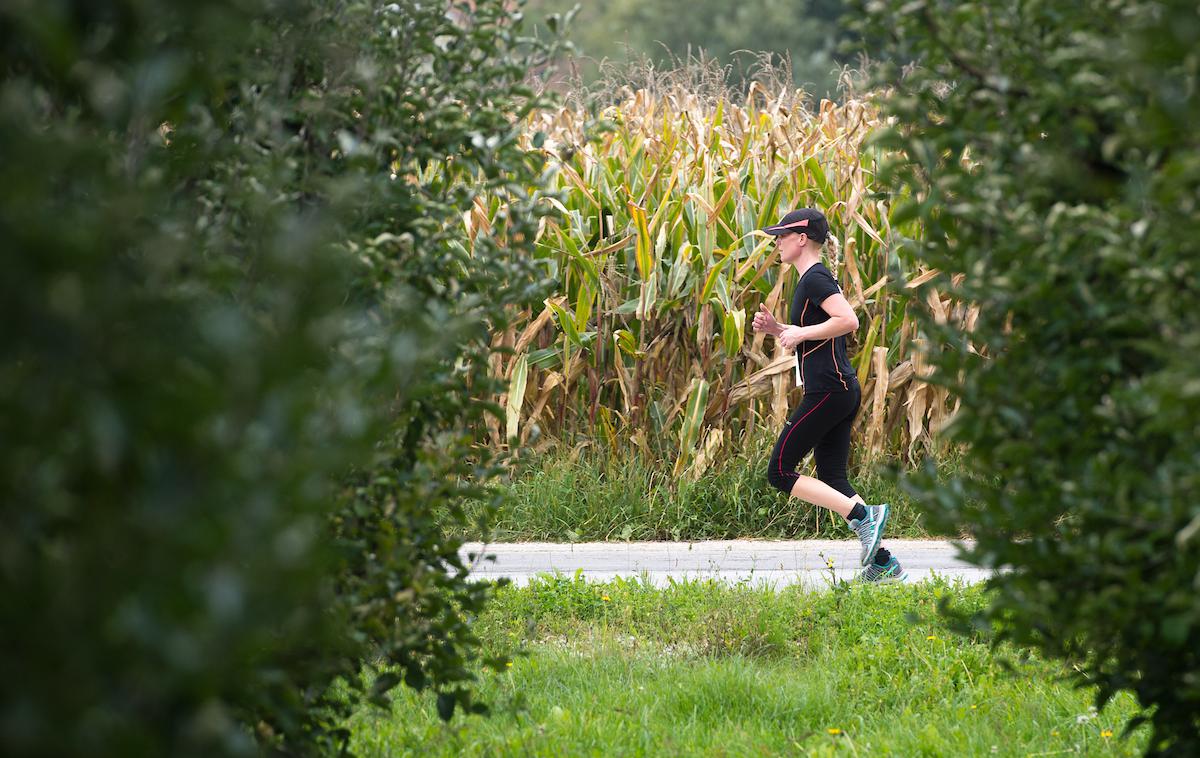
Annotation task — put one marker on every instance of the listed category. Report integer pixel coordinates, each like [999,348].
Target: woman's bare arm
[841,321]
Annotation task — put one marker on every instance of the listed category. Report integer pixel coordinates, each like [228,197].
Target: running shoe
[869,529]
[887,574]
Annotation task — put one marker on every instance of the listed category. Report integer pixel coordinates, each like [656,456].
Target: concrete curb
[770,562]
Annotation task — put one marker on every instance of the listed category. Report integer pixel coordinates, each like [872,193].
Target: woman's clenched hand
[765,322]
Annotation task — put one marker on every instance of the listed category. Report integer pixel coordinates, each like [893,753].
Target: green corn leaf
[733,331]
[606,425]
[705,235]
[582,263]
[583,304]
[566,322]
[678,278]
[626,342]
[722,294]
[647,297]
[693,420]
[628,307]
[645,245]
[769,210]
[819,182]
[710,282]
[546,358]
[516,397]
[864,354]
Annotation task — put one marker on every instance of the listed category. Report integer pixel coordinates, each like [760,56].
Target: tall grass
[645,345]
[590,492]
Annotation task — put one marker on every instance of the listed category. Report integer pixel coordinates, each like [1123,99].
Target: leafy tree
[1051,154]
[808,33]
[430,120]
[241,330]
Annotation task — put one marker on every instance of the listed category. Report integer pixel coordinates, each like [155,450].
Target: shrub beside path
[813,563]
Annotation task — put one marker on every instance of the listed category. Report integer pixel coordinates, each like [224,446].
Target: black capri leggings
[822,424]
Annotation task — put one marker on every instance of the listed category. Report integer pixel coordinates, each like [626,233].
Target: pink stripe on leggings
[789,434]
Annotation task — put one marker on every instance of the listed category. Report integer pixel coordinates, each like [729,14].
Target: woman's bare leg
[819,493]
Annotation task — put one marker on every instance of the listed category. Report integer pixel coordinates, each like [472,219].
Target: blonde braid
[833,253]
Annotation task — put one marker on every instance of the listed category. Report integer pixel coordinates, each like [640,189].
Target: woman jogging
[820,320]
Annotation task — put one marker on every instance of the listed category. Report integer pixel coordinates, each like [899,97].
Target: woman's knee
[780,480]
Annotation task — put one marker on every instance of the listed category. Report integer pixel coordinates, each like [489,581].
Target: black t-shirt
[823,364]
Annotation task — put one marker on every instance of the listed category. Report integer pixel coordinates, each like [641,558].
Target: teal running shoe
[887,574]
[869,529]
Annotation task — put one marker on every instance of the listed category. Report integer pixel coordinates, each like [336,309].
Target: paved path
[776,562]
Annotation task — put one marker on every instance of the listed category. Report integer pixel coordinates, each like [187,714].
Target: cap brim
[787,227]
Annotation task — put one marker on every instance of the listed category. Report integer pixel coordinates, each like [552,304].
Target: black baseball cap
[808,220]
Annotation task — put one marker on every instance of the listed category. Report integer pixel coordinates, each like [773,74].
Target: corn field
[646,343]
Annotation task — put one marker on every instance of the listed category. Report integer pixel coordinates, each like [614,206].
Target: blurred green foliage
[1050,151]
[808,33]
[239,332]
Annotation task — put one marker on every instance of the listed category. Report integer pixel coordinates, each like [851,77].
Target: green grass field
[703,668]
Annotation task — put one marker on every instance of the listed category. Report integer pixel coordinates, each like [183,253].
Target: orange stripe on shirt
[833,357]
[802,354]
[818,347]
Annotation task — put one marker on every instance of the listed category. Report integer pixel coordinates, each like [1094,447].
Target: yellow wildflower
[1106,733]
[931,637]
[834,730]
[605,598]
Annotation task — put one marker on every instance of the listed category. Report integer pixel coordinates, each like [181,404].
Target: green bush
[240,334]
[1050,151]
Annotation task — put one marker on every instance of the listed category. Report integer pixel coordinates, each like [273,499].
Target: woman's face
[790,247]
